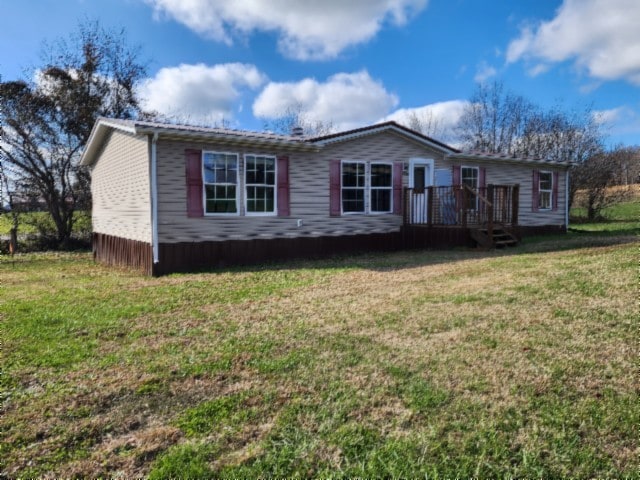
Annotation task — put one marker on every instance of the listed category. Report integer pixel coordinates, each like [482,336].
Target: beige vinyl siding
[120,188]
[503,173]
[386,146]
[309,192]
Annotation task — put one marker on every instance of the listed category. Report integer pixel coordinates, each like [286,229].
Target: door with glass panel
[420,177]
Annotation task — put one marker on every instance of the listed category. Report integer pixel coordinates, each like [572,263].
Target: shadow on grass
[578,237]
[415,258]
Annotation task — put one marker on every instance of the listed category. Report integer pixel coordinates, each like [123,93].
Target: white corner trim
[154,198]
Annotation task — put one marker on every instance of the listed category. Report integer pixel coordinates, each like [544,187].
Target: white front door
[420,177]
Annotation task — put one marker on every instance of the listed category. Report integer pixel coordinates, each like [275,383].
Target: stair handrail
[477,194]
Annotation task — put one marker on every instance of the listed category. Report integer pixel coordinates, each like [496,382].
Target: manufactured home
[174,197]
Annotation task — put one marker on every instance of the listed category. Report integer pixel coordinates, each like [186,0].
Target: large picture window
[260,184]
[353,187]
[545,189]
[381,187]
[220,177]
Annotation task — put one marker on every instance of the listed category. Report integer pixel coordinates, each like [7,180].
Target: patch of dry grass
[418,362]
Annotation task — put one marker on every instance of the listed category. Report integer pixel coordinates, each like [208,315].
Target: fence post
[13,241]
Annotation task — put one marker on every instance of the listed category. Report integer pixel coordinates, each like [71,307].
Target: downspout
[566,201]
[154,199]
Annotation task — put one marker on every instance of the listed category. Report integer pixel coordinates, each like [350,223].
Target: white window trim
[367,180]
[204,184]
[275,186]
[477,169]
[550,190]
[422,161]
[364,188]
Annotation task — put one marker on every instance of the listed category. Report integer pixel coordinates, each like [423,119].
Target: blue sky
[356,62]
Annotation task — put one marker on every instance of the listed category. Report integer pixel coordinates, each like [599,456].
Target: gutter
[509,160]
[154,199]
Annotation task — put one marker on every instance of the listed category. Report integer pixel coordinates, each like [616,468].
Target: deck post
[515,202]
[463,207]
[430,206]
[405,206]
[490,212]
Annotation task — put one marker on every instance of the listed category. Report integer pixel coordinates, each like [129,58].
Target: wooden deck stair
[499,238]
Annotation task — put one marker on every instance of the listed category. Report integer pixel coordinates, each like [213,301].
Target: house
[173,197]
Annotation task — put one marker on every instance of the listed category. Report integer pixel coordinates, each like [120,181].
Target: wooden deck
[459,215]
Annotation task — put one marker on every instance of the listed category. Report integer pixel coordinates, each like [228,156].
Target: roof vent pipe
[297,132]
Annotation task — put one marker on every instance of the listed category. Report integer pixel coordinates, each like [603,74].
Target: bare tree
[495,121]
[426,123]
[296,117]
[627,165]
[595,181]
[8,206]
[498,121]
[46,121]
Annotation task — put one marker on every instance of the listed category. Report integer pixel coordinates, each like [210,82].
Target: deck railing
[459,205]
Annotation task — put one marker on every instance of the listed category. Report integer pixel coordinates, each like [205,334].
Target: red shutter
[283,187]
[456,174]
[535,191]
[482,177]
[334,188]
[193,161]
[397,188]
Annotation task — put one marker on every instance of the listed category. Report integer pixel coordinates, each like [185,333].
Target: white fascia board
[96,138]
[226,138]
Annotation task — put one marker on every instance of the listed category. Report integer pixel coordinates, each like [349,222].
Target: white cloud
[346,100]
[436,119]
[600,36]
[200,93]
[306,29]
[612,115]
[620,120]
[484,72]
[539,69]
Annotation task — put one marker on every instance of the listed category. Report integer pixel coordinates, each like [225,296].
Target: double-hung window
[353,187]
[381,187]
[220,178]
[545,189]
[366,187]
[260,184]
[469,176]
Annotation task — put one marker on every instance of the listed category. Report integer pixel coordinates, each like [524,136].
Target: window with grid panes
[353,187]
[469,176]
[220,178]
[381,186]
[260,184]
[545,189]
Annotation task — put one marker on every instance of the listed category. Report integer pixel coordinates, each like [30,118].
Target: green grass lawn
[519,363]
[29,220]
[624,216]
